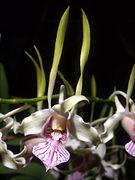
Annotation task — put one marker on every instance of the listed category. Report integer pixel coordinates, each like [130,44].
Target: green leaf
[57,52]
[15,141]
[38,72]
[5,170]
[33,171]
[36,170]
[41,80]
[22,178]
[84,51]
[4,89]
[42,83]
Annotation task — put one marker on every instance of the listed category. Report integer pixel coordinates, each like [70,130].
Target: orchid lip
[53,152]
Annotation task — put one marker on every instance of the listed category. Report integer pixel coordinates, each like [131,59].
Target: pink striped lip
[53,152]
[130,148]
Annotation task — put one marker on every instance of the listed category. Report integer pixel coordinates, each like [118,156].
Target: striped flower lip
[130,148]
[53,152]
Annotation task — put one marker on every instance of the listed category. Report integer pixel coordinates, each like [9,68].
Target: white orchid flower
[9,159]
[47,130]
[125,115]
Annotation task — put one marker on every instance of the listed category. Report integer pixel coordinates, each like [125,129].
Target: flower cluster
[58,134]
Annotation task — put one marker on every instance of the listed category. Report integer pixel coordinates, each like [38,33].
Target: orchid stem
[55,96]
[26,100]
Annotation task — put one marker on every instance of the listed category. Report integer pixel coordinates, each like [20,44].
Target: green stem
[26,100]
[100,100]
[55,96]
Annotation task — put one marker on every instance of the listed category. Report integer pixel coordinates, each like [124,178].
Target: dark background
[27,23]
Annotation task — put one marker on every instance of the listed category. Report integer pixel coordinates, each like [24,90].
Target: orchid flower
[48,130]
[9,159]
[110,168]
[125,115]
[94,161]
[128,121]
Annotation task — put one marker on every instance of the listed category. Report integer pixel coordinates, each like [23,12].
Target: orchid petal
[51,154]
[110,125]
[8,125]
[108,168]
[62,94]
[71,102]
[130,148]
[10,160]
[29,142]
[15,111]
[83,131]
[119,106]
[33,124]
[72,142]
[128,124]
[100,150]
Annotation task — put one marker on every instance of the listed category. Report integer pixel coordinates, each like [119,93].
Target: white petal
[110,125]
[83,131]
[100,150]
[33,124]
[10,160]
[69,103]
[72,142]
[8,126]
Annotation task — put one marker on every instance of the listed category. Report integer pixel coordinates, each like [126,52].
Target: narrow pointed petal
[8,125]
[110,125]
[51,154]
[130,148]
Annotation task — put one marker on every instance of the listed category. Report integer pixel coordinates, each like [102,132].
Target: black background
[27,23]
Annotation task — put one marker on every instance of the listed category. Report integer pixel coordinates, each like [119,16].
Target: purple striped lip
[130,148]
[53,152]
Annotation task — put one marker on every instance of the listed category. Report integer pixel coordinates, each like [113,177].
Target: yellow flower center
[58,122]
